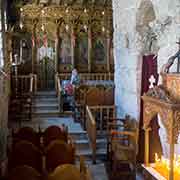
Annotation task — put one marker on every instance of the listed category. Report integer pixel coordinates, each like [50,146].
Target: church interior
[90,90]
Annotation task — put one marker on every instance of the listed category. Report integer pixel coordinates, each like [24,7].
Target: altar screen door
[46,72]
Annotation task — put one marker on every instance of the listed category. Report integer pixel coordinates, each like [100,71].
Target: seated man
[75,80]
[69,86]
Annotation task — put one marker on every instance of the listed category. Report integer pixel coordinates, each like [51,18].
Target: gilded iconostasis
[72,34]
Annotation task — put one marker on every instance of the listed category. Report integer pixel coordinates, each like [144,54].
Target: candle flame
[162,165]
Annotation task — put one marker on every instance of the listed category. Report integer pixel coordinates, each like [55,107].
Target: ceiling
[71,2]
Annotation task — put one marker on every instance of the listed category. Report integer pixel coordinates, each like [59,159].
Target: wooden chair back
[66,172]
[109,96]
[80,93]
[26,153]
[24,173]
[94,96]
[122,144]
[53,133]
[27,134]
[58,153]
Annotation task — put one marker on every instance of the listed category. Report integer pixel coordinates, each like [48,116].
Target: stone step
[45,93]
[98,171]
[100,153]
[39,111]
[43,104]
[88,160]
[45,107]
[82,144]
[101,143]
[45,113]
[81,135]
[45,100]
[42,98]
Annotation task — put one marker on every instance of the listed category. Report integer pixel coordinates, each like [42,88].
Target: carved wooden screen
[99,52]
[65,49]
[46,73]
[45,61]
[81,51]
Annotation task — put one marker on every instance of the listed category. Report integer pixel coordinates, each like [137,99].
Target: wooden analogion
[164,100]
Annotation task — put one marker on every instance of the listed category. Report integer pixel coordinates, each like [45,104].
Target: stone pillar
[108,54]
[34,49]
[73,41]
[89,49]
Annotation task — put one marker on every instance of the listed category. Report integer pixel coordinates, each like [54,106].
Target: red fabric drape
[149,68]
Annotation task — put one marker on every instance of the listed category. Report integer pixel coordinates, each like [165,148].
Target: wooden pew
[57,153]
[27,134]
[25,153]
[54,133]
[24,173]
[59,77]
[71,172]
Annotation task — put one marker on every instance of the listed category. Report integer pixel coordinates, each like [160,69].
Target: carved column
[146,155]
[89,49]
[34,49]
[108,51]
[57,45]
[171,143]
[73,42]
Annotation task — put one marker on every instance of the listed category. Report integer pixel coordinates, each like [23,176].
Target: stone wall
[136,24]
[142,27]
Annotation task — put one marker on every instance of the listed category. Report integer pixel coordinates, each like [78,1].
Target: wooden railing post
[91,131]
[31,83]
[58,90]
[35,82]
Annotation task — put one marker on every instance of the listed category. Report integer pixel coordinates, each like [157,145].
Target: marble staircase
[45,104]
[45,113]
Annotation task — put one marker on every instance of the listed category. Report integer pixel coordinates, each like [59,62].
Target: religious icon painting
[99,51]
[81,50]
[65,50]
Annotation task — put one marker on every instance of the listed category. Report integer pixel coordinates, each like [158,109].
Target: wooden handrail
[88,76]
[110,112]
[58,91]
[92,126]
[91,131]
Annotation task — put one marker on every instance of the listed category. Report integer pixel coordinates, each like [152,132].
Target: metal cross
[152,80]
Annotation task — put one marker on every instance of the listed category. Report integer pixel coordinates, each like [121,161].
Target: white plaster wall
[129,45]
[126,57]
